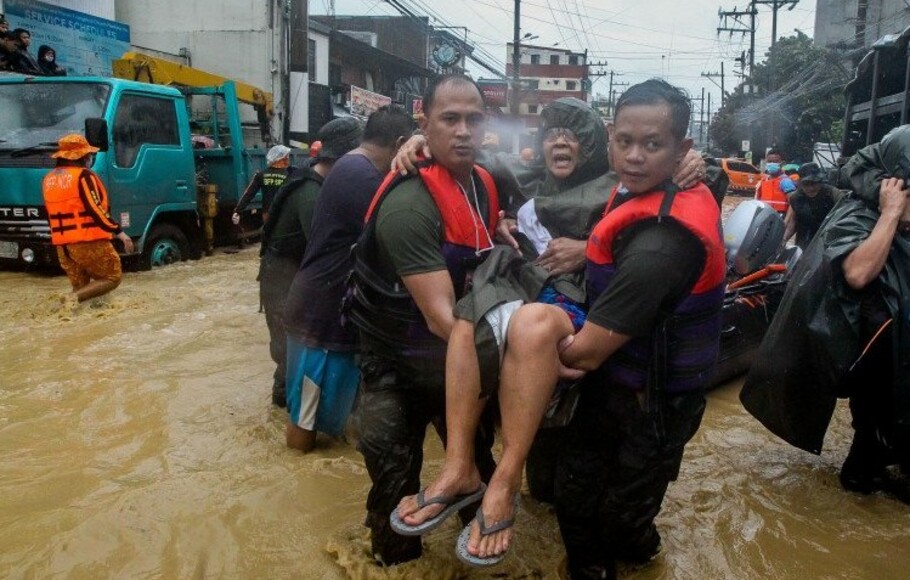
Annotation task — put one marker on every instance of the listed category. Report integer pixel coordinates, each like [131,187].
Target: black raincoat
[815,337]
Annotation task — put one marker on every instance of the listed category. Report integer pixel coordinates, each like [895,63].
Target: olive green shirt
[409,232]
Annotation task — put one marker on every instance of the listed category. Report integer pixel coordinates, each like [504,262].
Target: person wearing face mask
[776,184]
[843,328]
[47,62]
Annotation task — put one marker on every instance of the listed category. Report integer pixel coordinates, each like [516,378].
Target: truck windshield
[33,115]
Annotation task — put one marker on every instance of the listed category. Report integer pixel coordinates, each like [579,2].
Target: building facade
[547,74]
[857,24]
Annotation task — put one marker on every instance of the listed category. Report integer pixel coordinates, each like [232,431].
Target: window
[532,109]
[533,84]
[571,86]
[143,120]
[311,59]
[573,59]
[742,167]
[535,59]
[554,59]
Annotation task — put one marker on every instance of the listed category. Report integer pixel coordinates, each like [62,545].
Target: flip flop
[453,503]
[461,547]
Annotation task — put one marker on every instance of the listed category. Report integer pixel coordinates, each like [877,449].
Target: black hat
[811,173]
[338,137]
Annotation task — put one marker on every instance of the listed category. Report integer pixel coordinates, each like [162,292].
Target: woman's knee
[538,323]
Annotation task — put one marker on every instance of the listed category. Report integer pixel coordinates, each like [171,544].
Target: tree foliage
[799,101]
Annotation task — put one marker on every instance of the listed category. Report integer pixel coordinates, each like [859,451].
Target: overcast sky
[638,39]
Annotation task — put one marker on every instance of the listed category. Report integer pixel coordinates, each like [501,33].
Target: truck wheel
[166,245]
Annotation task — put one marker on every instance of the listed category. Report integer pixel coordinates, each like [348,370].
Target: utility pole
[708,141]
[772,83]
[701,119]
[775,6]
[733,21]
[712,75]
[295,124]
[610,92]
[516,58]
[613,96]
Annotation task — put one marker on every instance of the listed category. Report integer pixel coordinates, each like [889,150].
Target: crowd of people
[15,55]
[484,292]
[570,297]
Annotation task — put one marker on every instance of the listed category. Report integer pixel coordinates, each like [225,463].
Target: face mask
[49,57]
[772,168]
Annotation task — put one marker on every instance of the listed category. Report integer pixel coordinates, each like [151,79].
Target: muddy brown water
[137,441]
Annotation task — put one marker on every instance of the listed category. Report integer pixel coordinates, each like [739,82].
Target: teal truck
[172,181]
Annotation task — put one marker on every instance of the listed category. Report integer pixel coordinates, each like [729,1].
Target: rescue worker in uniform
[323,376]
[269,181]
[809,204]
[422,238]
[775,184]
[285,235]
[655,278]
[78,210]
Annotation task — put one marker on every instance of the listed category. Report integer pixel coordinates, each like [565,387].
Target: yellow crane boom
[140,67]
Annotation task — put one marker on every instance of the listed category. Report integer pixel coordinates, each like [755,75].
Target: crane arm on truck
[140,67]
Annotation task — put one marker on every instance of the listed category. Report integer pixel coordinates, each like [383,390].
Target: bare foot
[448,483]
[498,506]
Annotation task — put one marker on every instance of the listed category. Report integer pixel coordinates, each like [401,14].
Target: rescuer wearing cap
[809,204]
[78,210]
[269,180]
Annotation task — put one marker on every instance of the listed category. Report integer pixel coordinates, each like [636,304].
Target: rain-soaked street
[137,440]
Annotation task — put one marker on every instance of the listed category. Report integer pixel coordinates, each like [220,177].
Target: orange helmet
[315,148]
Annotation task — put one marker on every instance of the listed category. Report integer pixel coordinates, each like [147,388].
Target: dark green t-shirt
[296,216]
[409,232]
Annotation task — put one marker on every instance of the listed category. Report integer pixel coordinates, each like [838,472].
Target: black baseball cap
[811,173]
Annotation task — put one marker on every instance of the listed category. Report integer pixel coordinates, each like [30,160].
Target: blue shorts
[321,386]
[577,313]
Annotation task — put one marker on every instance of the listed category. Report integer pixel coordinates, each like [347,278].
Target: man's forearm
[865,263]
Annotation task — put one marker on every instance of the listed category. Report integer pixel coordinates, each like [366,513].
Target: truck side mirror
[96,133]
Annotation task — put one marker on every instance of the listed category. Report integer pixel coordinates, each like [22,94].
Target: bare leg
[95,288]
[529,375]
[299,438]
[463,410]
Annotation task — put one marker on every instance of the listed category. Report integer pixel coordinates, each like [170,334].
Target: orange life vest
[70,221]
[770,192]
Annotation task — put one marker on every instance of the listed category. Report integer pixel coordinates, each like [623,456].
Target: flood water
[137,440]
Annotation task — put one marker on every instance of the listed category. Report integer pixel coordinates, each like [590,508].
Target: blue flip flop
[453,503]
[461,547]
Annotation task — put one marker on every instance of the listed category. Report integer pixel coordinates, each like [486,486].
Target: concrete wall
[835,20]
[239,39]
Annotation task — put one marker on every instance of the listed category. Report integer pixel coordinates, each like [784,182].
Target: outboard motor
[753,235]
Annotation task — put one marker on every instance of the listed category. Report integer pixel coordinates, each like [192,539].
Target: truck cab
[150,167]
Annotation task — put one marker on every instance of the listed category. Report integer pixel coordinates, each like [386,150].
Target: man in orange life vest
[423,236]
[78,210]
[655,278]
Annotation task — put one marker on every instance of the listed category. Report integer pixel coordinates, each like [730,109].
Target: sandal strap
[423,502]
[498,526]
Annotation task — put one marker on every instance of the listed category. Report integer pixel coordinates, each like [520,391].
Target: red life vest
[692,333]
[459,219]
[390,322]
[770,192]
[70,220]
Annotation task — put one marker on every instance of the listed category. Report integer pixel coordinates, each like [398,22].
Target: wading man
[78,210]
[655,278]
[423,236]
